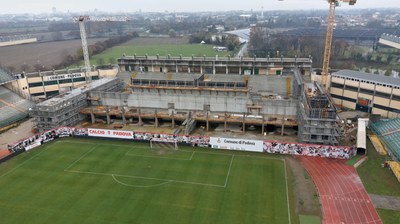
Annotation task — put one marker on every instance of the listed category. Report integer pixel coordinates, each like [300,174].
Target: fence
[337,152]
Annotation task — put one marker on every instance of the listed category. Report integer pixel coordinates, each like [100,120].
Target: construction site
[201,103]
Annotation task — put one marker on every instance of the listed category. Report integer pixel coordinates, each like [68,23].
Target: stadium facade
[366,92]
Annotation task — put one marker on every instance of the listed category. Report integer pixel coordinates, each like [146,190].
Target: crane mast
[81,21]
[329,37]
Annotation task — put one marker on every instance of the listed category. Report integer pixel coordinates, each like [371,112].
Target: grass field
[87,181]
[153,47]
[380,181]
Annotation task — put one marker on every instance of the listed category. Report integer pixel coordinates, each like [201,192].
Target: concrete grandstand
[13,107]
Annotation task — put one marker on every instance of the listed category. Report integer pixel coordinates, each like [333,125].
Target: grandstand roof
[73,93]
[368,77]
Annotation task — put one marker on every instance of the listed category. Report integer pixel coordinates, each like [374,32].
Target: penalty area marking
[143,186]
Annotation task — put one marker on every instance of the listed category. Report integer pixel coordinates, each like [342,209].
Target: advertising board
[236,144]
[110,133]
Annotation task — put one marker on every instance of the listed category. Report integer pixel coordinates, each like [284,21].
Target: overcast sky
[39,6]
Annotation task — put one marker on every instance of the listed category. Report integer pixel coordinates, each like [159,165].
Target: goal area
[163,144]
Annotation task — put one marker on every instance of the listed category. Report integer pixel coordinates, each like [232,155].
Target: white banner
[236,144]
[110,133]
[32,146]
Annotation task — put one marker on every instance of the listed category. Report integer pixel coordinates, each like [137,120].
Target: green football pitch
[77,180]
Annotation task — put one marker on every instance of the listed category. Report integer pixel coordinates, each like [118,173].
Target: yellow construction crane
[329,36]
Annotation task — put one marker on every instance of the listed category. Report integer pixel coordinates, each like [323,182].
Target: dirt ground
[22,131]
[304,191]
[386,202]
[47,53]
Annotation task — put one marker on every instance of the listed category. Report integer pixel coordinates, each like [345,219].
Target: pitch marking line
[229,171]
[287,191]
[142,186]
[89,151]
[145,178]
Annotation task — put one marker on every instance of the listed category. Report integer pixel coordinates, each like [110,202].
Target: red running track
[343,196]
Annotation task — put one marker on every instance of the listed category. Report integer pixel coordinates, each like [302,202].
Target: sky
[40,6]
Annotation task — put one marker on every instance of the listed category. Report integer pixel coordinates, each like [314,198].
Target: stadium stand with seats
[380,148]
[395,167]
[5,77]
[13,108]
[388,132]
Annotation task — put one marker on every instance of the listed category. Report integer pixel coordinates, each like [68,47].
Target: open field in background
[153,46]
[98,181]
[48,53]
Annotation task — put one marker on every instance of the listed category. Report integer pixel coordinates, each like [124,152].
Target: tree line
[94,49]
[230,41]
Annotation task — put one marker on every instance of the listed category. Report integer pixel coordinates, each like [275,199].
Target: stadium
[174,139]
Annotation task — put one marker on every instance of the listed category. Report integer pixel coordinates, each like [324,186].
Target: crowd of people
[339,152]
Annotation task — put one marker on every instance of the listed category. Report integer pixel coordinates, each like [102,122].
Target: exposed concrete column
[188,68]
[227,69]
[123,116]
[93,118]
[262,125]
[225,122]
[176,67]
[214,68]
[240,69]
[108,116]
[207,122]
[244,123]
[173,118]
[140,117]
[155,119]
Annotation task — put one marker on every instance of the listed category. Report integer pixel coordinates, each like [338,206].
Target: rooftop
[74,93]
[368,77]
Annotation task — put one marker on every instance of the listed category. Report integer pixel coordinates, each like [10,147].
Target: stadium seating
[5,77]
[13,108]
[389,133]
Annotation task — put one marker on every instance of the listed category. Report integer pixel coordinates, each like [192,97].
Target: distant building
[366,92]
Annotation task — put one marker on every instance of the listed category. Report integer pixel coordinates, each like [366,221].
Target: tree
[388,72]
[172,33]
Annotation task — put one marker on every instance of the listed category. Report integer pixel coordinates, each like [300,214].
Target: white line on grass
[145,178]
[91,149]
[229,171]
[12,170]
[130,185]
[287,191]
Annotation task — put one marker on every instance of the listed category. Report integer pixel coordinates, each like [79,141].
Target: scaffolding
[64,109]
[317,116]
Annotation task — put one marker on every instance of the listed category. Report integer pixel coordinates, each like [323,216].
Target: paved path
[24,130]
[386,202]
[342,194]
